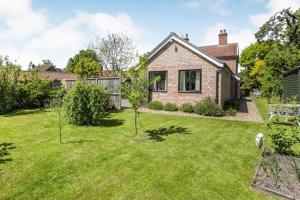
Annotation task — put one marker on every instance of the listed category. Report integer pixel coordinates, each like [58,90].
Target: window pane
[189,80]
[197,87]
[193,80]
[182,80]
[159,85]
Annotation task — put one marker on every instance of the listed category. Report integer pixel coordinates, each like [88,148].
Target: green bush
[231,112]
[86,103]
[208,107]
[170,107]
[186,107]
[155,105]
[9,76]
[232,104]
[32,91]
[283,139]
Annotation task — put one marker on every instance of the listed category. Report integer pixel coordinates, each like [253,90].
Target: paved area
[248,112]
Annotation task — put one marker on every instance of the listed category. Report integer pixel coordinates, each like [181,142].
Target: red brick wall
[232,64]
[174,57]
[225,86]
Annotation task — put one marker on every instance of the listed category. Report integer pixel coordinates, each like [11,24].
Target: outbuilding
[291,83]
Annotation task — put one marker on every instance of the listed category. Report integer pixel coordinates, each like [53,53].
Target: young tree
[137,89]
[83,54]
[56,103]
[116,52]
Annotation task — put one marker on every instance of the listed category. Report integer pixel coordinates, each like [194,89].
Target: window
[161,84]
[189,80]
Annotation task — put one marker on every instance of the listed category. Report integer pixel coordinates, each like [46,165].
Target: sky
[33,30]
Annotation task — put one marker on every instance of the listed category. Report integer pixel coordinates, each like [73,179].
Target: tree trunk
[59,118]
[135,121]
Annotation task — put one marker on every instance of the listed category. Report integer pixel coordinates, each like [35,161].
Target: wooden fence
[111,83]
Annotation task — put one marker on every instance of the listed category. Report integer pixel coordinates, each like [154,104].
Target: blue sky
[32,30]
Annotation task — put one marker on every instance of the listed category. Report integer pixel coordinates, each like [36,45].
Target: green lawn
[174,158]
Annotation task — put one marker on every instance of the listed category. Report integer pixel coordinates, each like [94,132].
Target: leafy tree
[116,52]
[9,77]
[86,68]
[284,27]
[136,91]
[83,54]
[47,62]
[57,103]
[276,51]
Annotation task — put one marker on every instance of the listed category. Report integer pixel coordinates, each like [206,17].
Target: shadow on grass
[23,112]
[107,122]
[4,152]
[80,141]
[158,134]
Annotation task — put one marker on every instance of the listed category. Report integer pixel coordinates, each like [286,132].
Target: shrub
[32,91]
[283,139]
[208,107]
[187,107]
[86,104]
[231,112]
[155,105]
[170,107]
[9,76]
[232,104]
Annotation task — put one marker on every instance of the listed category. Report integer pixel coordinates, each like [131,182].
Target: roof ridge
[219,44]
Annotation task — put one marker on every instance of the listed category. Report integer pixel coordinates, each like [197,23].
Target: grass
[262,106]
[174,157]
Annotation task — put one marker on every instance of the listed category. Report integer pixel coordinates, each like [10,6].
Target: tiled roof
[55,75]
[220,51]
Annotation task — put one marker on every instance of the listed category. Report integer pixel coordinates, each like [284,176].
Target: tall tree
[82,54]
[116,52]
[277,50]
[284,27]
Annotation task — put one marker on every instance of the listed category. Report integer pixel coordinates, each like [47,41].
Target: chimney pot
[186,37]
[223,37]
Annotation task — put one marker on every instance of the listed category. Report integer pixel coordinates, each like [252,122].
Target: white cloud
[272,7]
[217,6]
[29,35]
[243,36]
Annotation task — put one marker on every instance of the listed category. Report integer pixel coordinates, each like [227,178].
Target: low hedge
[170,107]
[155,105]
[187,107]
[208,107]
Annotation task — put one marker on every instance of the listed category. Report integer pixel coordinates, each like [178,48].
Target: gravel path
[248,112]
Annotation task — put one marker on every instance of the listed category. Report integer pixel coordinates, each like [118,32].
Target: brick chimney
[186,37]
[223,37]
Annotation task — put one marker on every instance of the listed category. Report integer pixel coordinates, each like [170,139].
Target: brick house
[189,73]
